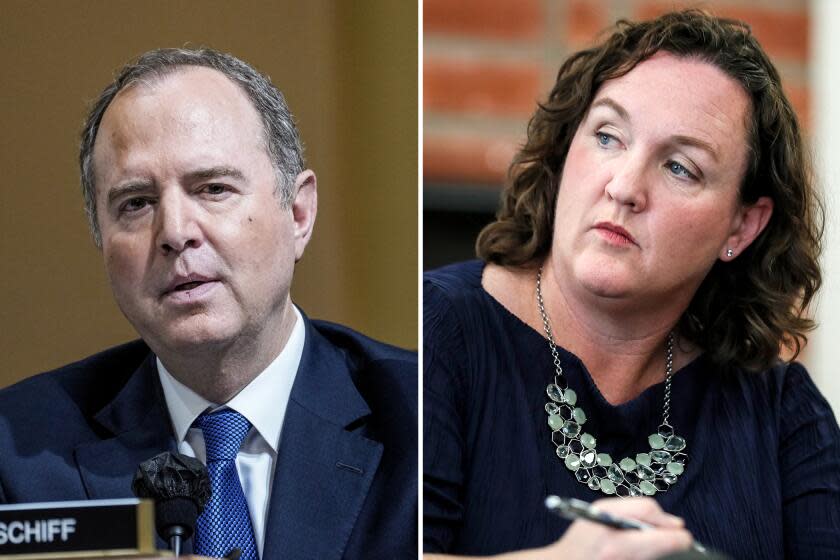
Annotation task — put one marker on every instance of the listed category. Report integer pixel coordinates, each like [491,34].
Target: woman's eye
[604,139]
[679,170]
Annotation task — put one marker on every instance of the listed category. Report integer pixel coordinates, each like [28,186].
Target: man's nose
[629,182]
[176,224]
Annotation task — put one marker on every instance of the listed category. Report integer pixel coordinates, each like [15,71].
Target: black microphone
[180,487]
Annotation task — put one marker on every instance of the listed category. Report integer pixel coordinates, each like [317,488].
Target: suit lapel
[324,470]
[139,425]
[139,422]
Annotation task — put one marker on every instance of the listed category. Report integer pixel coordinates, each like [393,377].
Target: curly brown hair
[745,310]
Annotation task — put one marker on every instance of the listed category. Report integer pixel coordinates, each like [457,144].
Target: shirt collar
[263,401]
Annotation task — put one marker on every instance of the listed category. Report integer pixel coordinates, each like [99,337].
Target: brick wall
[487,62]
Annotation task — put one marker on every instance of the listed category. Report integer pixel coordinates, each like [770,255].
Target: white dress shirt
[263,402]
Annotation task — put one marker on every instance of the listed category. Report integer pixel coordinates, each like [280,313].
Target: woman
[654,251]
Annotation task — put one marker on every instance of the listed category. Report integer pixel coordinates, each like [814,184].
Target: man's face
[198,249]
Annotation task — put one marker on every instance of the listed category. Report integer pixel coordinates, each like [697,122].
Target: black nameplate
[90,528]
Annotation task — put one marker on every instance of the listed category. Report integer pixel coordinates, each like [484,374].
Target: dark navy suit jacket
[345,483]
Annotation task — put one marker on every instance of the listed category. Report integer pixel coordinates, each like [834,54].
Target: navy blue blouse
[762,479]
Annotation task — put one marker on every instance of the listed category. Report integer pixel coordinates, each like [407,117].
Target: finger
[649,544]
[645,510]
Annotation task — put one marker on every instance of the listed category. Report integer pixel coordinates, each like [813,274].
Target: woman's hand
[586,540]
[592,541]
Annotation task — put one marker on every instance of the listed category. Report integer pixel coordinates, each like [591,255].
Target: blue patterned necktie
[225,523]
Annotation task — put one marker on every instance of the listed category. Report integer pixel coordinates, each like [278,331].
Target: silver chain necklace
[649,473]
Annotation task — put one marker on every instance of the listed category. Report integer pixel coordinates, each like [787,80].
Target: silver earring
[730,253]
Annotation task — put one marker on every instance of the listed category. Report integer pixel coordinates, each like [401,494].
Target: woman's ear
[748,223]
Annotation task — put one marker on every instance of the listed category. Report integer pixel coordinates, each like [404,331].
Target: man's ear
[748,224]
[304,209]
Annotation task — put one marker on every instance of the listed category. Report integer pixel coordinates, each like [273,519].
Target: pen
[572,508]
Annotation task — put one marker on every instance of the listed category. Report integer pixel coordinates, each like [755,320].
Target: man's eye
[133,204]
[215,189]
[680,170]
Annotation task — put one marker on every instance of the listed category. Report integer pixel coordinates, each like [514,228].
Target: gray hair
[281,136]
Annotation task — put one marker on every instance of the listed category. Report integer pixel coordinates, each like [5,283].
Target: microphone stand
[176,532]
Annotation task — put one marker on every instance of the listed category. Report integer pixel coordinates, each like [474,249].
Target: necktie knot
[224,431]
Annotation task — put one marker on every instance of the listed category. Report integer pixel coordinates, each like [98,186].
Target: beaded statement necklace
[653,471]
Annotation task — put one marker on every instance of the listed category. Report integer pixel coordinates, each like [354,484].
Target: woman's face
[649,197]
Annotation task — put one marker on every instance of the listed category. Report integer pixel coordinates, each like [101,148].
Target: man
[199,200]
